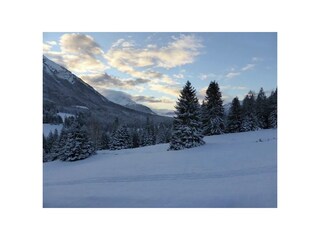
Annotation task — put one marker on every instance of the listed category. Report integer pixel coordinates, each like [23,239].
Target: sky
[153,67]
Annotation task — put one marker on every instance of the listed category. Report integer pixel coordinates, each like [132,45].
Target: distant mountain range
[125,99]
[71,94]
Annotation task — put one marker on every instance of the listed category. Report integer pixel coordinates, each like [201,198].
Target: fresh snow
[52,67]
[230,170]
[83,107]
[47,128]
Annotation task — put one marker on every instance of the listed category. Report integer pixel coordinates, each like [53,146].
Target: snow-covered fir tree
[120,139]
[135,139]
[49,145]
[164,134]
[187,126]
[77,144]
[235,117]
[212,111]
[262,110]
[250,122]
[105,140]
[149,135]
[272,105]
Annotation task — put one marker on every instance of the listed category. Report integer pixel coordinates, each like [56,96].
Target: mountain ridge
[70,93]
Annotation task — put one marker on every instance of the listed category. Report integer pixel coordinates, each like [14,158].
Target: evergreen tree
[262,110]
[135,140]
[120,139]
[49,146]
[149,135]
[187,126]
[105,140]
[164,134]
[272,104]
[213,111]
[235,117]
[250,122]
[77,144]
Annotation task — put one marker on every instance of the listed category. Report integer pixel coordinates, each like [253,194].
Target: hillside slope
[70,94]
[231,170]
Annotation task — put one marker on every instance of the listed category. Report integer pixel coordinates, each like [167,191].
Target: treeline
[82,135]
[193,121]
[50,113]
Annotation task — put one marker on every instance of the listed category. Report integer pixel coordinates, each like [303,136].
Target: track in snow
[170,177]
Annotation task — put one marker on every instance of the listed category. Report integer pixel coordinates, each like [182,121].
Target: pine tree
[77,144]
[272,105]
[187,126]
[105,140]
[120,139]
[135,140]
[262,110]
[213,111]
[149,135]
[250,122]
[235,117]
[164,134]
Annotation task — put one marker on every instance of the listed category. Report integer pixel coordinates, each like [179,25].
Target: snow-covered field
[231,170]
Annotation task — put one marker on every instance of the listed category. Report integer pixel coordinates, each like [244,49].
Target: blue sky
[153,67]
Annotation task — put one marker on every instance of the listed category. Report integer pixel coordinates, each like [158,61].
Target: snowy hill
[231,170]
[125,99]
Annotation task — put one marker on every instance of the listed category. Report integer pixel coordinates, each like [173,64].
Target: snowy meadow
[230,170]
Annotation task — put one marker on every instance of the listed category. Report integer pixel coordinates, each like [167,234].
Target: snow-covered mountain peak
[125,99]
[119,97]
[53,68]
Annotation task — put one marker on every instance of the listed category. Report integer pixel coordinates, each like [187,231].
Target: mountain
[71,94]
[125,99]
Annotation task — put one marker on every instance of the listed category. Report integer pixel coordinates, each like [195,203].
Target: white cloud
[46,47]
[229,87]
[52,43]
[104,80]
[179,76]
[79,44]
[257,59]
[172,90]
[181,51]
[248,67]
[232,74]
[151,46]
[208,76]
[148,99]
[78,53]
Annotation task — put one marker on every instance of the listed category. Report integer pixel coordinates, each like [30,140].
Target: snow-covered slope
[125,99]
[231,170]
[71,94]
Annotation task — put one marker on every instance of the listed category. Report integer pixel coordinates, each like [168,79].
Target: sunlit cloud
[172,90]
[78,53]
[103,80]
[179,76]
[180,51]
[46,47]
